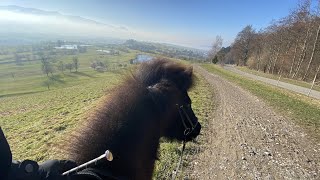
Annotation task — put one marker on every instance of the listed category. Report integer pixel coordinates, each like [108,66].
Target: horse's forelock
[157,70]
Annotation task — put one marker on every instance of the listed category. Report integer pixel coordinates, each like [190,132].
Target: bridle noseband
[185,118]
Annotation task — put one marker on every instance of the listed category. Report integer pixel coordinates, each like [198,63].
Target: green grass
[33,123]
[303,110]
[276,77]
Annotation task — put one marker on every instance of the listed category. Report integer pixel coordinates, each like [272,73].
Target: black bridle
[185,118]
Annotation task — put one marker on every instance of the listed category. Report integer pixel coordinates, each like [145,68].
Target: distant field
[29,78]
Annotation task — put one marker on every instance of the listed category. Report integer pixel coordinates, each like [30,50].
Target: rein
[184,115]
[174,174]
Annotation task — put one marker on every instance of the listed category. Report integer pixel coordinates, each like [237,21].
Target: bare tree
[75,63]
[314,79]
[61,66]
[46,66]
[316,42]
[69,66]
[304,16]
[288,47]
[216,47]
[242,44]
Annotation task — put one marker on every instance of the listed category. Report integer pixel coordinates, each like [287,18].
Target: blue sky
[185,22]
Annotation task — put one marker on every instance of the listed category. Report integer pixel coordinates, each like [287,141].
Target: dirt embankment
[246,139]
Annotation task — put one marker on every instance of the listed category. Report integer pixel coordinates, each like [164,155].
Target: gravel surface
[246,139]
[291,87]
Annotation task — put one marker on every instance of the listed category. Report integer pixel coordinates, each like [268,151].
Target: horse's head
[168,83]
[182,122]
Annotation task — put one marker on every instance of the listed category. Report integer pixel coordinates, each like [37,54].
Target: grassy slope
[303,110]
[276,77]
[33,123]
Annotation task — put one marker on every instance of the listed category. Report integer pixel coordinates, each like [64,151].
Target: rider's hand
[5,156]
[53,169]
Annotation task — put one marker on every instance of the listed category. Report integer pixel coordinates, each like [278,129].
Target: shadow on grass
[20,93]
[83,74]
[57,78]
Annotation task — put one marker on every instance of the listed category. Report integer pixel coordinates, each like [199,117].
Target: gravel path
[291,87]
[246,139]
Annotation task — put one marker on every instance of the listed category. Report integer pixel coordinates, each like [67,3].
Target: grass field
[29,78]
[276,77]
[303,110]
[34,122]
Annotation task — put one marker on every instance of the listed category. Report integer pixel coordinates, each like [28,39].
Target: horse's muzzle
[194,133]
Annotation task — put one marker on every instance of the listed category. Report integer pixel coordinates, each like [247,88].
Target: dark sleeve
[5,156]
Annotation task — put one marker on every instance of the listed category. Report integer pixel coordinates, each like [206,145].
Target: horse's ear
[186,83]
[189,71]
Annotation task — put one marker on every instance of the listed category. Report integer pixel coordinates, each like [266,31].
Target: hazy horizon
[191,24]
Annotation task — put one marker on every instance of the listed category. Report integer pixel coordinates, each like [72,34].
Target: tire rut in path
[247,139]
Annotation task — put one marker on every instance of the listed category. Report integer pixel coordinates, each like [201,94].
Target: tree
[215,59]
[82,49]
[222,54]
[17,59]
[75,63]
[216,47]
[99,66]
[47,83]
[61,66]
[315,44]
[46,66]
[242,44]
[69,66]
[287,47]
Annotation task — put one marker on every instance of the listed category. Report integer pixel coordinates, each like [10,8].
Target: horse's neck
[135,144]
[128,126]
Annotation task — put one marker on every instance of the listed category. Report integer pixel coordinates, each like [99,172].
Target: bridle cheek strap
[184,115]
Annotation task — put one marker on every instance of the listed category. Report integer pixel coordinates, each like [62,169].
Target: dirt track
[246,139]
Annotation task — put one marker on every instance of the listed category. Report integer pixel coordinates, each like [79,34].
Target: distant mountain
[19,9]
[19,22]
[38,12]
[20,25]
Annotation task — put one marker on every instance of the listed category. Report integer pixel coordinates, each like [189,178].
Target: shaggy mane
[129,119]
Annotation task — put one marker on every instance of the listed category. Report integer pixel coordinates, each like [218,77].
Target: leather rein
[185,119]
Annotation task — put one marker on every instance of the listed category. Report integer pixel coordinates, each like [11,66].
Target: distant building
[104,51]
[85,45]
[69,47]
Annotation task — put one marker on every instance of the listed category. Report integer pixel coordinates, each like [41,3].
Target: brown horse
[152,103]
